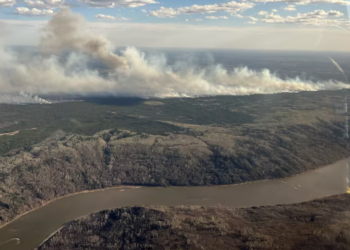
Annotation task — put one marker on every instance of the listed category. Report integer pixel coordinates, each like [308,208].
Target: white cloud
[123,19]
[199,20]
[216,17]
[331,13]
[250,22]
[111,18]
[46,4]
[317,17]
[304,2]
[99,4]
[105,17]
[7,3]
[262,13]
[33,12]
[290,7]
[230,7]
[117,3]
[253,18]
[274,10]
[164,12]
[144,11]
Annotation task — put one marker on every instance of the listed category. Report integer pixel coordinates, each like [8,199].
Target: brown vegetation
[202,155]
[319,224]
[182,142]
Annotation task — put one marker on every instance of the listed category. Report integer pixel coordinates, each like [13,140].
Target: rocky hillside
[203,155]
[285,134]
[320,224]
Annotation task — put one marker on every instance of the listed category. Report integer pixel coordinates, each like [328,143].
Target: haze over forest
[75,61]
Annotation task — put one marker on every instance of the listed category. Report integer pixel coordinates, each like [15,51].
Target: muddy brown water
[32,228]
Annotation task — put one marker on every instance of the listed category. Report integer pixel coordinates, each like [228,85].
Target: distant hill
[315,225]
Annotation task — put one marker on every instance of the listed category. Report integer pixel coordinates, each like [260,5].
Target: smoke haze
[22,98]
[68,31]
[64,67]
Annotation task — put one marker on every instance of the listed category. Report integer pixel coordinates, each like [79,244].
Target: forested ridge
[292,133]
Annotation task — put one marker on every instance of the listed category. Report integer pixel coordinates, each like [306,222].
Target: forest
[245,139]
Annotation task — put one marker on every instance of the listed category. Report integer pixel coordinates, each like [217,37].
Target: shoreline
[65,196]
[49,237]
[134,187]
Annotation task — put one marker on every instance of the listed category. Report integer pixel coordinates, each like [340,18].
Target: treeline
[96,114]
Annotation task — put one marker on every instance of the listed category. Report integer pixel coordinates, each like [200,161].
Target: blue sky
[284,24]
[136,15]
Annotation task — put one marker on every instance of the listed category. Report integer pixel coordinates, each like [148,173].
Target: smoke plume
[66,69]
[22,98]
[68,31]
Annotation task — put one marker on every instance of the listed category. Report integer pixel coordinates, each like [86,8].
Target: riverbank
[204,156]
[68,195]
[194,142]
[313,225]
[32,228]
[133,187]
[122,187]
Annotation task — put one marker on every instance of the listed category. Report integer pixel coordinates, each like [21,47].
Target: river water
[32,228]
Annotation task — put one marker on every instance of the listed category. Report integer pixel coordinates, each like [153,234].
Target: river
[32,228]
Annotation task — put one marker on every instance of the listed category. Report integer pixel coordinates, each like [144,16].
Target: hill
[101,143]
